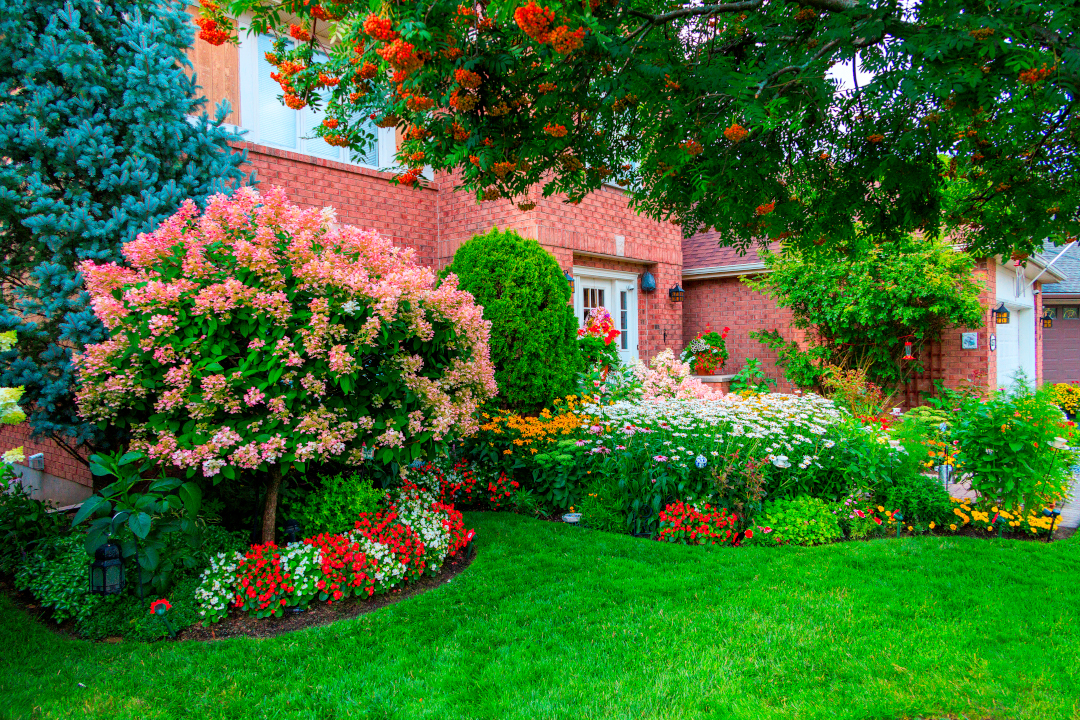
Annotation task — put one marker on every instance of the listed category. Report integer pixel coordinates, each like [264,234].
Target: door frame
[619,280]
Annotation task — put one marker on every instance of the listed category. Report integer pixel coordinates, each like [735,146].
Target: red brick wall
[728,302]
[362,197]
[57,461]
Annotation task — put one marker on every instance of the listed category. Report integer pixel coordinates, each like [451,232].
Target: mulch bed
[243,625]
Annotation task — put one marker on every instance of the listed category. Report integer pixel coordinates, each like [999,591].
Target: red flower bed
[689,524]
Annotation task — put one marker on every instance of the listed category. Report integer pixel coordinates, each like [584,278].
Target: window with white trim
[270,122]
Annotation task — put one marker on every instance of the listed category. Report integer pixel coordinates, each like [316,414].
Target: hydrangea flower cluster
[666,377]
[260,333]
[413,537]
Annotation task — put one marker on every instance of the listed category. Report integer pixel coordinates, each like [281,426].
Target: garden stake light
[999,522]
[898,518]
[107,570]
[159,608]
[1053,515]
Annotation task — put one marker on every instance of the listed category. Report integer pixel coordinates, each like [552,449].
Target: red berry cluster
[686,524]
[380,28]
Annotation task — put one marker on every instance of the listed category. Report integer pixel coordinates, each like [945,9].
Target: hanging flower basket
[707,353]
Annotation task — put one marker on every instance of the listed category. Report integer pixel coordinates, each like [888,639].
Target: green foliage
[57,573]
[533,331]
[128,616]
[104,133]
[1015,446]
[801,520]
[728,116]
[861,307]
[802,367]
[157,526]
[24,522]
[602,506]
[919,498]
[752,377]
[335,504]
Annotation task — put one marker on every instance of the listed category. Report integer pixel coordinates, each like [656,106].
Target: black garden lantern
[107,570]
[570,279]
[676,293]
[292,529]
[1001,315]
[1048,320]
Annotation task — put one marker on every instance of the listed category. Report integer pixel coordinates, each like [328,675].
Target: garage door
[1008,350]
[1061,348]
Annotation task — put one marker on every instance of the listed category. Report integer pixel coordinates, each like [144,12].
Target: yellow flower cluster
[983,518]
[1067,397]
[533,433]
[940,453]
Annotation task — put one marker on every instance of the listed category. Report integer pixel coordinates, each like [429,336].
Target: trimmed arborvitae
[103,134]
[533,330]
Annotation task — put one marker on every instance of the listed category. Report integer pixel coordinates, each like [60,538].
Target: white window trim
[248,65]
[622,281]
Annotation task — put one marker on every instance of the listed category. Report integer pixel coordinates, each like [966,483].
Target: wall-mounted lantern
[1001,315]
[570,279]
[1048,320]
[676,293]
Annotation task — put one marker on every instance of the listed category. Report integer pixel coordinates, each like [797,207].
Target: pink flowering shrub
[666,378]
[258,335]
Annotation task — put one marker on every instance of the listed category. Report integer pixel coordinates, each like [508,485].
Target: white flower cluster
[217,586]
[418,514]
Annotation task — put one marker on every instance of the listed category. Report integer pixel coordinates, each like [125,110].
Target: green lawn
[551,621]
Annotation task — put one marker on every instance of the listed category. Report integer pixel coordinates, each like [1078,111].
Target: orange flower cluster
[545,88]
[502,169]
[736,133]
[806,14]
[300,32]
[1035,75]
[981,33]
[380,28]
[328,80]
[410,177]
[464,13]
[875,138]
[367,71]
[555,130]
[670,84]
[474,160]
[417,103]
[467,78]
[535,21]
[417,132]
[401,55]
[765,209]
[462,102]
[210,31]
[416,157]
[693,147]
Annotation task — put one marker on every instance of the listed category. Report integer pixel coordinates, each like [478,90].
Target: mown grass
[551,621]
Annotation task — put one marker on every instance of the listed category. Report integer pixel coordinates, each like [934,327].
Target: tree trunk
[269,525]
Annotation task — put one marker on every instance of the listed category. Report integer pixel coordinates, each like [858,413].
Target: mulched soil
[243,625]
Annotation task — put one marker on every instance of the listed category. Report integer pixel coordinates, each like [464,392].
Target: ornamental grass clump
[259,336]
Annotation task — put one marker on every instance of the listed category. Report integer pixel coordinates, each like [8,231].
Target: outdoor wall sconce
[1001,315]
[107,570]
[676,293]
[570,279]
[1047,320]
[648,283]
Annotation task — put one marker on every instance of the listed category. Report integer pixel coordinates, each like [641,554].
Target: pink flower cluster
[260,320]
[666,378]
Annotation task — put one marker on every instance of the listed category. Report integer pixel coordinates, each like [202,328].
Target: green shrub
[919,498]
[802,520]
[336,504]
[533,330]
[24,522]
[57,573]
[1015,447]
[129,616]
[602,507]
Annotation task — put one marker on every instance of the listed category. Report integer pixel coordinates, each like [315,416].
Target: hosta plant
[259,336]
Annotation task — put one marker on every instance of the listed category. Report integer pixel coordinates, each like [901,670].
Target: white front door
[617,293]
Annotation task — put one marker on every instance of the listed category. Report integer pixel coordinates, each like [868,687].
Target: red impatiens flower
[748,534]
[160,607]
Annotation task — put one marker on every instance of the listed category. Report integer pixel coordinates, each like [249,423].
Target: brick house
[716,295]
[605,246]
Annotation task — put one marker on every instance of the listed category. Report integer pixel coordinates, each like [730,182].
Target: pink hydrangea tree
[258,335]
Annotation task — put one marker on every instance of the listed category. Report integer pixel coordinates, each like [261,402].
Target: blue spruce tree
[102,134]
